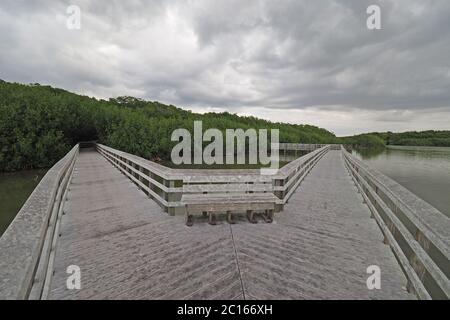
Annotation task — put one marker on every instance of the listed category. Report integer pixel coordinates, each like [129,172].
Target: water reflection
[15,188]
[369,153]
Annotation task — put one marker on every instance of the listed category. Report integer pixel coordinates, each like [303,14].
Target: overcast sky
[311,62]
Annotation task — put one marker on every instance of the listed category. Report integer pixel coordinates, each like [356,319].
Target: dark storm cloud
[313,59]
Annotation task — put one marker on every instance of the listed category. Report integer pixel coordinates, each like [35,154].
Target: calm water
[425,171]
[15,188]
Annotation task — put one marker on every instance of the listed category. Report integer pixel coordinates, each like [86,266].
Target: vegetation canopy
[39,124]
[411,138]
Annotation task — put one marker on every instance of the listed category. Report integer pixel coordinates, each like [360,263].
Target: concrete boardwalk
[127,248]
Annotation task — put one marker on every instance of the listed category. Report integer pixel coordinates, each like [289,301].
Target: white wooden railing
[417,233]
[166,185]
[27,247]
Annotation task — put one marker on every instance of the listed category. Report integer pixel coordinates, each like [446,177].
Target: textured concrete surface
[127,248]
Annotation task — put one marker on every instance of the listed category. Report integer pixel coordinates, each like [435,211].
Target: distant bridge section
[165,185]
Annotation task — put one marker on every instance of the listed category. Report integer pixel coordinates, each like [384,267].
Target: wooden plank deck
[127,248]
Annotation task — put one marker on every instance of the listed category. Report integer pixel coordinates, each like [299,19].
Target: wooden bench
[211,203]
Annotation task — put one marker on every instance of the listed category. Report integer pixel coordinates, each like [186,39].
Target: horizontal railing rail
[293,173]
[166,185]
[305,146]
[421,248]
[160,183]
[28,245]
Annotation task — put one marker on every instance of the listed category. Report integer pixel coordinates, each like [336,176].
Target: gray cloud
[296,61]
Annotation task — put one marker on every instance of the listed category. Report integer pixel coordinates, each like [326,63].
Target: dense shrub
[39,124]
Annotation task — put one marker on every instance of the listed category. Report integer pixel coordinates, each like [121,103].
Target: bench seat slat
[223,207]
[231,197]
[228,202]
[232,178]
[241,187]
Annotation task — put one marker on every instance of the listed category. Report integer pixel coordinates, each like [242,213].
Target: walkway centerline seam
[237,261]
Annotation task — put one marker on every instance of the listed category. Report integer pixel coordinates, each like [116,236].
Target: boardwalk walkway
[127,248]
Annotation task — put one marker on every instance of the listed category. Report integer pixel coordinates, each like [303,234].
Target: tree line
[39,124]
[435,138]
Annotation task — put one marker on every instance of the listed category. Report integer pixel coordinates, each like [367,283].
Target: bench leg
[189,219]
[230,217]
[268,216]
[212,218]
[251,216]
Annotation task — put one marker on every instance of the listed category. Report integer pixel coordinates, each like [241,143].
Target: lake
[425,171]
[15,188]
